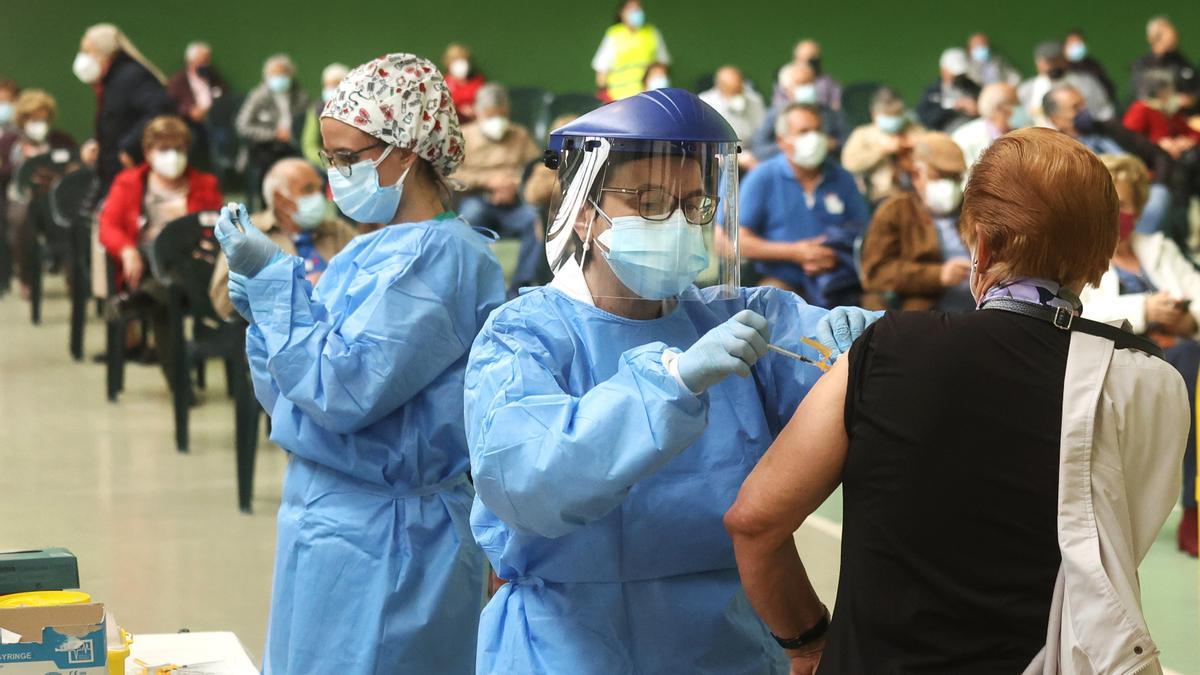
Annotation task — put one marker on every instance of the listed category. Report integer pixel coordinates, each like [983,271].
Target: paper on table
[220,653]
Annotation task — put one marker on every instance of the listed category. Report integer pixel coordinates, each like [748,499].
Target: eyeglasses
[656,204]
[344,160]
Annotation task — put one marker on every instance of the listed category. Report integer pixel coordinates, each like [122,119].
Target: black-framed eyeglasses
[657,205]
[344,160]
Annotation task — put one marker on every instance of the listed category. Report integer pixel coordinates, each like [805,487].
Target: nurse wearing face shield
[607,437]
[375,570]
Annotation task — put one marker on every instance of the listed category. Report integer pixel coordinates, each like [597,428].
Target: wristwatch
[809,636]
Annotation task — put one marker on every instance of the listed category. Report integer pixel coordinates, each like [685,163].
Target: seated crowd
[842,216]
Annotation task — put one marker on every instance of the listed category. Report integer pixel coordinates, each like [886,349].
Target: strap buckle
[1063,318]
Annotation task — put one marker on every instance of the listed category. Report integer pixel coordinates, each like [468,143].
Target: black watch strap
[809,636]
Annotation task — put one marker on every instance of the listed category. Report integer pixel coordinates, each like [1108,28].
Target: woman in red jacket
[146,197]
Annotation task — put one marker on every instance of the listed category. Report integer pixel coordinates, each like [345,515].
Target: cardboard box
[64,640]
[51,569]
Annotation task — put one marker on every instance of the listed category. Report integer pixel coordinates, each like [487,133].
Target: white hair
[277,177]
[491,95]
[279,60]
[194,48]
[1155,24]
[107,40]
[993,96]
[954,60]
[334,71]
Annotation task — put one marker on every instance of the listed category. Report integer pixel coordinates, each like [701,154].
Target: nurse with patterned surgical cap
[613,415]
[375,569]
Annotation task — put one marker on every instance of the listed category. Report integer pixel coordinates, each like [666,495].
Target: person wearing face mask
[800,83]
[497,154]
[606,432]
[1049,443]
[196,85]
[363,379]
[629,47]
[1080,60]
[1157,115]
[8,97]
[310,137]
[34,114]
[950,101]
[463,78]
[986,66]
[130,91]
[658,76]
[740,105]
[1000,111]
[913,257]
[800,214]
[827,91]
[268,119]
[1052,70]
[877,152]
[298,219]
[140,203]
[1150,284]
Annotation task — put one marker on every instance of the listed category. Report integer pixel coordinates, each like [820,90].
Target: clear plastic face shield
[644,219]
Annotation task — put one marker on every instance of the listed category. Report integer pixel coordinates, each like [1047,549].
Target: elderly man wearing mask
[951,100]
[197,85]
[130,92]
[298,219]
[875,153]
[913,257]
[1080,60]
[986,66]
[740,105]
[1163,39]
[1000,111]
[1052,70]
[800,214]
[497,153]
[375,570]
[267,119]
[799,82]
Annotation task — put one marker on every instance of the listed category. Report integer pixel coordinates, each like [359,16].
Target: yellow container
[44,599]
[118,653]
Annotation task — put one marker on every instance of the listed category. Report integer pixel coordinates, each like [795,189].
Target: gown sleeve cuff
[670,361]
[279,300]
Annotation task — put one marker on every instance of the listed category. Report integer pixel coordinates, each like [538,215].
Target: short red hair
[1044,205]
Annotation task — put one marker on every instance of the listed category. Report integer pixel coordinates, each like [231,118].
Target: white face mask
[168,163]
[805,93]
[809,149]
[460,68]
[494,128]
[36,130]
[86,68]
[942,196]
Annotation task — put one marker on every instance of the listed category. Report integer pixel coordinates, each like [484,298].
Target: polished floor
[158,534]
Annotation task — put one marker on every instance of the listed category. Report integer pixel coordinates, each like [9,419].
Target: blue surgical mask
[1076,51]
[890,124]
[1019,118]
[6,112]
[656,260]
[310,210]
[658,82]
[361,197]
[981,53]
[279,83]
[636,17]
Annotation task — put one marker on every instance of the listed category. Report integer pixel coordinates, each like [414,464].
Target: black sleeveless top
[949,548]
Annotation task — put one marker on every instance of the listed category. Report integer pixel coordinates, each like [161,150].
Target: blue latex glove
[237,293]
[247,249]
[733,347]
[838,329]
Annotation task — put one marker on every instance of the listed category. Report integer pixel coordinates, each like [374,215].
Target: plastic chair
[530,107]
[856,103]
[223,139]
[185,252]
[70,206]
[36,177]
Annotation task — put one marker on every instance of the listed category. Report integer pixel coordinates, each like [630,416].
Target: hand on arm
[798,472]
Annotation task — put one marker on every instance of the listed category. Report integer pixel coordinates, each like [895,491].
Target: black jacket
[129,97]
[930,111]
[1171,61]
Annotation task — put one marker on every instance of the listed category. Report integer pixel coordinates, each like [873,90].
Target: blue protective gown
[375,568]
[602,484]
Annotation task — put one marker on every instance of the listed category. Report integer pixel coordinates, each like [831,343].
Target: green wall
[550,42]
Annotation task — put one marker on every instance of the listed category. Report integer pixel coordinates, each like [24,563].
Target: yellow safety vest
[634,52]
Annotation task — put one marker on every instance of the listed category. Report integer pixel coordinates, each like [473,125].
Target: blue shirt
[1101,145]
[956,298]
[774,206]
